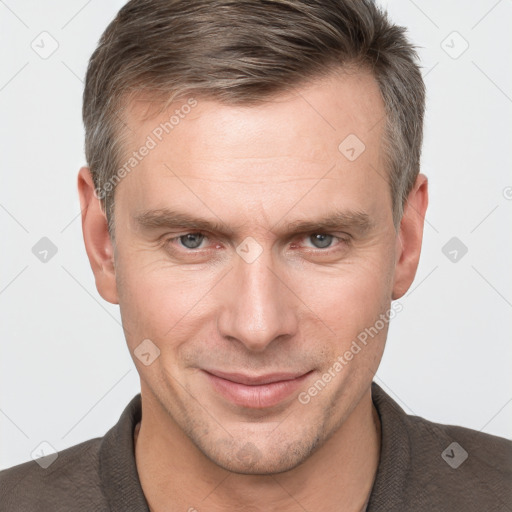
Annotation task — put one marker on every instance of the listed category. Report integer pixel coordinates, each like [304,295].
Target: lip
[255,392]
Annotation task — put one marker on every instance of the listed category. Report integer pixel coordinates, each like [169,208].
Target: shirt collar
[394,462]
[118,471]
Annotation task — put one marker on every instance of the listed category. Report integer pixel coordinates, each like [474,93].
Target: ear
[96,237]
[410,236]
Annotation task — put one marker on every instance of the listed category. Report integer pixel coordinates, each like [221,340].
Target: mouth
[256,392]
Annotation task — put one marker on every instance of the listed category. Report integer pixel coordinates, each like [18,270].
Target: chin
[264,458]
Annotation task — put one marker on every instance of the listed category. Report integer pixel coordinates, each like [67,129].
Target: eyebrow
[168,218]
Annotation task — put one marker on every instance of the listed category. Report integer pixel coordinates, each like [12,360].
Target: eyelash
[343,241]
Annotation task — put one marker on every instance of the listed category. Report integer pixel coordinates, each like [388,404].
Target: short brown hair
[244,51]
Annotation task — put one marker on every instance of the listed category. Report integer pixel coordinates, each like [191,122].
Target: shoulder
[478,449]
[69,482]
[454,466]
[434,466]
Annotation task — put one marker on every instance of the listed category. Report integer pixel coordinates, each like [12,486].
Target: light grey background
[65,371]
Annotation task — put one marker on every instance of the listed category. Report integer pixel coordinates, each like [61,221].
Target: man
[268,214]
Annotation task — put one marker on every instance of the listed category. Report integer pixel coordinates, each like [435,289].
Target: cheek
[157,300]
[351,296]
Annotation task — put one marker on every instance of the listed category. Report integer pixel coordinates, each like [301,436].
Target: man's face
[280,301]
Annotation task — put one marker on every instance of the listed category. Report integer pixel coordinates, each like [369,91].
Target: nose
[258,307]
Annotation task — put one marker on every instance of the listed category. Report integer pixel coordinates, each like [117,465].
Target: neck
[176,476]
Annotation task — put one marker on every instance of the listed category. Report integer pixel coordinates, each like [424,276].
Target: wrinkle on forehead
[262,182]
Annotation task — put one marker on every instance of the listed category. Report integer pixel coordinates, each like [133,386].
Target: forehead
[259,155]
[329,107]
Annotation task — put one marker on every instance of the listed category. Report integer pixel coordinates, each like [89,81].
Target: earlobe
[98,244]
[410,236]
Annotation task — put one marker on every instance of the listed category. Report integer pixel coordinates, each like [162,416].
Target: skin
[295,308]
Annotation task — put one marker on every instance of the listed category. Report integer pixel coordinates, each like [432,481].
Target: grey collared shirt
[423,467]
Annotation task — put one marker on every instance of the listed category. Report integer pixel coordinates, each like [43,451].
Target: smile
[256,392]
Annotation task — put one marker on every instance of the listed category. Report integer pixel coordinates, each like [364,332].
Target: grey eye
[321,241]
[191,240]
